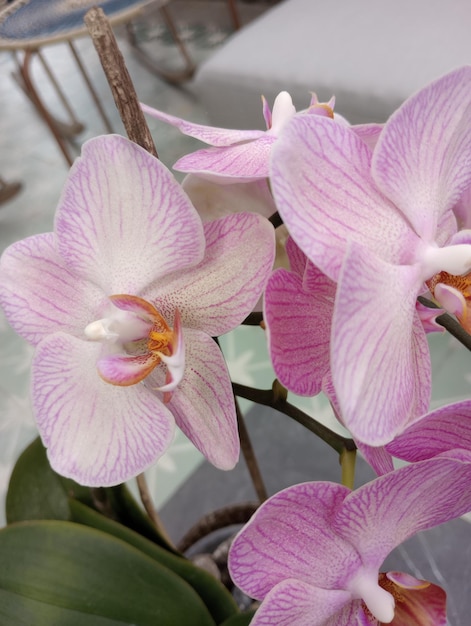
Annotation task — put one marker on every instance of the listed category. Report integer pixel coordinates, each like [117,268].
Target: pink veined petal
[444,429]
[380,358]
[378,458]
[123,220]
[295,603]
[297,258]
[203,402]
[40,295]
[291,537]
[421,161]
[369,133]
[134,304]
[211,135]
[243,162]
[380,515]
[218,294]
[213,200]
[421,603]
[96,433]
[125,370]
[321,182]
[451,299]
[298,324]
[462,209]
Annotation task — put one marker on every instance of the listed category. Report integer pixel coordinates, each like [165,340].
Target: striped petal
[380,355]
[209,134]
[123,220]
[124,370]
[321,182]
[298,323]
[421,161]
[243,162]
[222,290]
[96,433]
[40,295]
[203,402]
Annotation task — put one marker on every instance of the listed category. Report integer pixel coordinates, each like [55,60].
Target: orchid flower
[237,155]
[312,552]
[380,223]
[122,301]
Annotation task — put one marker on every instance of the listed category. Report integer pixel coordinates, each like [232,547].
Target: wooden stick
[119,80]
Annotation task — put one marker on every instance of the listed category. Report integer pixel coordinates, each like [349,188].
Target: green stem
[273,399]
[348,461]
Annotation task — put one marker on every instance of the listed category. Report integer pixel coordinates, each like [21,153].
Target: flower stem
[449,323]
[275,400]
[249,456]
[151,511]
[348,461]
[119,80]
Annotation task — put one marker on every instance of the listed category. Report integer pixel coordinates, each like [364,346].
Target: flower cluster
[123,300]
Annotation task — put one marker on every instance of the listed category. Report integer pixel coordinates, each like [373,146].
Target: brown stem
[232,514]
[249,456]
[120,82]
[146,500]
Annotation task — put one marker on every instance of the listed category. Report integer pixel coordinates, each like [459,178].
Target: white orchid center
[379,602]
[138,338]
[455,259]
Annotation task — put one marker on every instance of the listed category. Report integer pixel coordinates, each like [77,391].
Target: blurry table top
[29,24]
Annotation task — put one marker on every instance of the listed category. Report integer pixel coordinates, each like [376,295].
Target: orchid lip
[379,602]
[142,340]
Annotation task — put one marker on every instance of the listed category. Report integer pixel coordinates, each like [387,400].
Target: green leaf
[217,598]
[35,490]
[242,619]
[77,576]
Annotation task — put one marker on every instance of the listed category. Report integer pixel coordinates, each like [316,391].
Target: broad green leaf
[242,619]
[217,598]
[35,490]
[88,574]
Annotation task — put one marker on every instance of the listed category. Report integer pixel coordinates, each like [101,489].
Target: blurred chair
[27,26]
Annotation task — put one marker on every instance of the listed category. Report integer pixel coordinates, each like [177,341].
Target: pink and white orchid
[237,155]
[312,552]
[379,222]
[122,301]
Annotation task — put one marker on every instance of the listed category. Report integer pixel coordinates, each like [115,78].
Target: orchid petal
[125,370]
[291,603]
[324,192]
[283,110]
[377,457]
[462,209]
[203,402]
[213,200]
[451,299]
[444,429]
[291,536]
[298,324]
[266,112]
[243,162]
[380,515]
[218,294]
[421,603]
[96,433]
[208,134]
[421,161]
[428,317]
[296,257]
[123,220]
[380,355]
[369,133]
[39,294]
